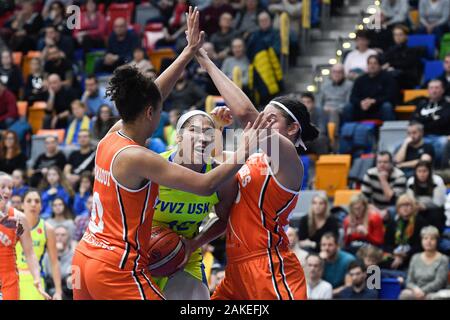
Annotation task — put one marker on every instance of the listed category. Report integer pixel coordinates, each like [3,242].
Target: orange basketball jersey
[260,214]
[119,230]
[8,241]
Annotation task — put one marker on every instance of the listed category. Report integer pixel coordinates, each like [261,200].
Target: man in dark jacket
[434,114]
[445,76]
[373,95]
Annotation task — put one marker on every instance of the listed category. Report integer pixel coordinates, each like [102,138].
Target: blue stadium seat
[306,165]
[390,289]
[433,69]
[423,40]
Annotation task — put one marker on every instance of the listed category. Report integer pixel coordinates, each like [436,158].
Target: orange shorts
[96,280]
[263,277]
[9,285]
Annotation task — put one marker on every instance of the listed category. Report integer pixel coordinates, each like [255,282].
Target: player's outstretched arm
[195,38]
[240,105]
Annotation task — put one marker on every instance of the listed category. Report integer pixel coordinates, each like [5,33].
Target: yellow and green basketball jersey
[26,282]
[183,212]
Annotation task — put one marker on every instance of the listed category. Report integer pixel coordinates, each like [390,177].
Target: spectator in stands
[61,216]
[445,76]
[293,9]
[8,107]
[185,95]
[317,288]
[65,255]
[102,122]
[373,94]
[384,183]
[355,62]
[56,63]
[402,236]
[209,17]
[362,225]
[92,29]
[55,16]
[19,181]
[223,37]
[11,155]
[10,74]
[238,59]
[434,114]
[53,37]
[433,16]
[16,202]
[316,223]
[82,221]
[35,89]
[51,157]
[80,160]
[83,194]
[321,145]
[121,44]
[430,193]
[54,186]
[335,94]
[410,152]
[266,35]
[58,103]
[358,288]
[94,95]
[140,61]
[370,255]
[401,61]
[292,234]
[25,26]
[216,278]
[428,270]
[336,261]
[80,122]
[394,12]
[246,20]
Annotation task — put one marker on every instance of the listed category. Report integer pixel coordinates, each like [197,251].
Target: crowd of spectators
[398,221]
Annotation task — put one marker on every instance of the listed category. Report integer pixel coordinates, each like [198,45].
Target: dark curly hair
[132,92]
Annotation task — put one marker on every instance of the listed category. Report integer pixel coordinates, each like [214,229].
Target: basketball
[166,251]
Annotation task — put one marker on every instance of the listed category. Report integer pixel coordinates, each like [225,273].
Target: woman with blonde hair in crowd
[428,270]
[402,235]
[362,225]
[316,223]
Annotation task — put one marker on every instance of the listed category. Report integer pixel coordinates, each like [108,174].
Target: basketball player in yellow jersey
[184,212]
[43,236]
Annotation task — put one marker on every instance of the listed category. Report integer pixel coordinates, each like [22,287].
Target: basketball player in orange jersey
[111,260]
[259,264]
[13,227]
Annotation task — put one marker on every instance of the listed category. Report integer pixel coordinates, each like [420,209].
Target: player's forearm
[33,264]
[214,178]
[57,277]
[211,232]
[235,99]
[167,80]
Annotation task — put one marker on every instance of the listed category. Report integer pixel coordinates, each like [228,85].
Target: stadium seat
[392,134]
[146,12]
[157,56]
[390,289]
[409,95]
[342,197]
[433,69]
[414,18]
[60,133]
[119,10]
[22,107]
[304,203]
[423,40]
[26,62]
[36,114]
[404,112]
[37,148]
[332,173]
[17,58]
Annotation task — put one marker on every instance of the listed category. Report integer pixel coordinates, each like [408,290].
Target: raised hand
[222,117]
[194,36]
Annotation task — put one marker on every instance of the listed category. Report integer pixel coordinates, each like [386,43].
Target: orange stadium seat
[36,114]
[404,112]
[22,107]
[415,93]
[17,58]
[157,56]
[60,133]
[332,173]
[342,197]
